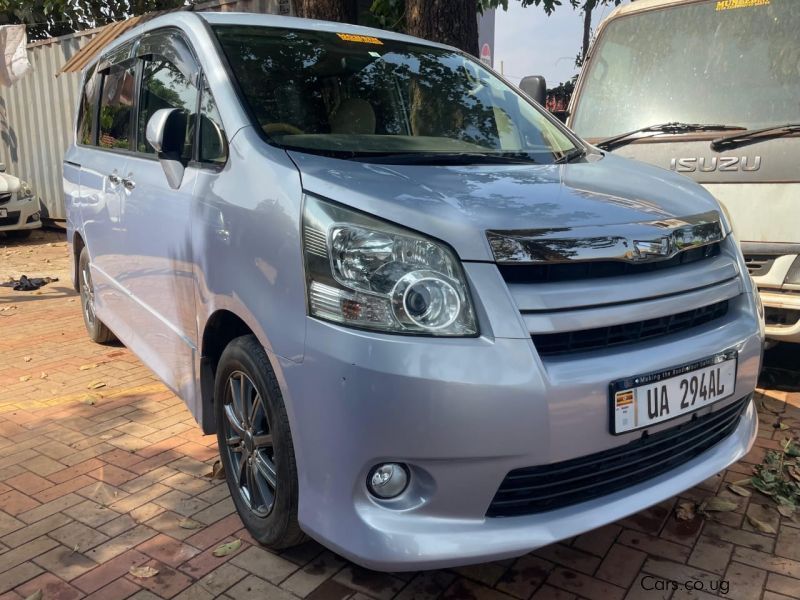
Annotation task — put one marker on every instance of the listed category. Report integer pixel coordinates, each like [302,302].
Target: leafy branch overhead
[50,18]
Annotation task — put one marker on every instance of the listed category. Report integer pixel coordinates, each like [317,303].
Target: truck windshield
[357,96]
[720,61]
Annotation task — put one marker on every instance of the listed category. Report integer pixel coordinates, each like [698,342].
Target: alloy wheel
[248,442]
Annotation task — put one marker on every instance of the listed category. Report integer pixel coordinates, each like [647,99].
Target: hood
[8,183]
[458,204]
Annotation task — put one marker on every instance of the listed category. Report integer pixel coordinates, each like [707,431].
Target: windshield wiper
[446,158]
[753,136]
[571,155]
[675,127]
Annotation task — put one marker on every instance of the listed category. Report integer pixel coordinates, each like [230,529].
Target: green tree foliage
[50,18]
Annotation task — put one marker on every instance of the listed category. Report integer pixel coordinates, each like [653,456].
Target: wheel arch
[222,327]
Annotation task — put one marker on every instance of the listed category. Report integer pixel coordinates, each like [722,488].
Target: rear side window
[165,86]
[116,103]
[87,111]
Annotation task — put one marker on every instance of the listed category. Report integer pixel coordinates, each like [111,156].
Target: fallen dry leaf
[761,526]
[685,511]
[43,375]
[225,549]
[87,367]
[786,511]
[96,385]
[25,378]
[718,504]
[188,523]
[739,490]
[143,572]
[27,358]
[37,595]
[90,399]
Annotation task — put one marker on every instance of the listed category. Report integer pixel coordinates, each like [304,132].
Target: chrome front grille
[572,305]
[572,271]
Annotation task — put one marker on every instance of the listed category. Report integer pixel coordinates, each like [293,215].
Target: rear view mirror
[166,132]
[535,87]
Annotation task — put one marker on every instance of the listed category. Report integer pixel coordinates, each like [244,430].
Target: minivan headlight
[363,272]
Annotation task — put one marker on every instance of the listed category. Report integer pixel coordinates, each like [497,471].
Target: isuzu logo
[691,164]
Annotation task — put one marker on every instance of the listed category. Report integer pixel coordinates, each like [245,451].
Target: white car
[19,208]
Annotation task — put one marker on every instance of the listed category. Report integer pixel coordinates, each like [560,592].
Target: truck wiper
[753,136]
[674,127]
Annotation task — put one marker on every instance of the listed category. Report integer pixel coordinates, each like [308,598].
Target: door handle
[129,183]
[114,178]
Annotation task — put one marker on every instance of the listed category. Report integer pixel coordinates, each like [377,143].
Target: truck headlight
[363,272]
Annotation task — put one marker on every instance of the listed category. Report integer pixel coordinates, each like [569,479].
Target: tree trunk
[344,11]
[453,22]
[587,29]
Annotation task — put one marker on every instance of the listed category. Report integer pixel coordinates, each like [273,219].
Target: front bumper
[21,213]
[786,315]
[462,413]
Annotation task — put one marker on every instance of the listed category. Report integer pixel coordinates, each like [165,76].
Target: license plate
[644,400]
[3,212]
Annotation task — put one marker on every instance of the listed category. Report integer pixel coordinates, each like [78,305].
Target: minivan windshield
[356,96]
[716,61]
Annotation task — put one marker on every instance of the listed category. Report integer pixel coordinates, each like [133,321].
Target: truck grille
[550,344]
[539,489]
[11,219]
[759,264]
[574,271]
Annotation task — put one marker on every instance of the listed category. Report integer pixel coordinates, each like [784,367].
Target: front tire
[255,444]
[96,329]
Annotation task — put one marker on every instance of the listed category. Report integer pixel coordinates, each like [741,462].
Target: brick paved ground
[94,481]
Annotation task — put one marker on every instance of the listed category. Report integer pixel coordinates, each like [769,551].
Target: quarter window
[165,86]
[86,116]
[116,101]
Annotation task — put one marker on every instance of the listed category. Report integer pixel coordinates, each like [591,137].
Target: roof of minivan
[85,57]
[266,20]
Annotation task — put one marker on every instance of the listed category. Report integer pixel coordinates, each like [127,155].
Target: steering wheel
[277,128]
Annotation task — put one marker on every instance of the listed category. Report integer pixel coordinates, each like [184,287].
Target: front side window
[351,96]
[116,102]
[86,114]
[165,86]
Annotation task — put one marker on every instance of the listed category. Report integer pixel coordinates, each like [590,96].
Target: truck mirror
[535,87]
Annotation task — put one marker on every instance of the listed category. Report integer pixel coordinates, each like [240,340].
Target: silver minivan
[429,325]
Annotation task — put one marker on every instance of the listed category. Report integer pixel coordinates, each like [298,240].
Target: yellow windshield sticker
[361,39]
[732,4]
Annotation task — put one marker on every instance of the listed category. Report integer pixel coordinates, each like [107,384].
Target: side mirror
[166,132]
[536,87]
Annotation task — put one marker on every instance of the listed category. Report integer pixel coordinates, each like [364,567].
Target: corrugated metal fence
[36,116]
[38,111]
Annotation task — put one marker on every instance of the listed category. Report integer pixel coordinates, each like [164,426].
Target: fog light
[387,480]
